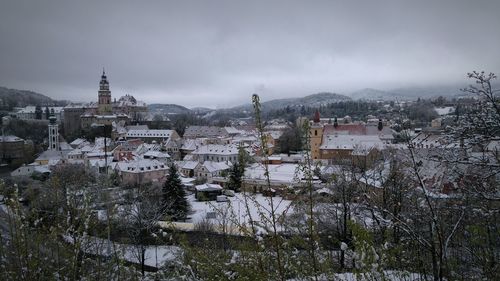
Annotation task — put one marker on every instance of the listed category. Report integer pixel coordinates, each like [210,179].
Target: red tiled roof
[355,129]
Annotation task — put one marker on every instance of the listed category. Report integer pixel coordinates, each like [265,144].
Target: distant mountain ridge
[10,98]
[167,108]
[410,93]
[313,100]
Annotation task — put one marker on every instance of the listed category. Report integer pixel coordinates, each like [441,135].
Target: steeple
[104,95]
[316,117]
[104,84]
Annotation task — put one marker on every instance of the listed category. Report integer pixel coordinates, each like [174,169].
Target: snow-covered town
[249,141]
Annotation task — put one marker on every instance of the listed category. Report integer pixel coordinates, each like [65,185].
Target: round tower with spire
[104,95]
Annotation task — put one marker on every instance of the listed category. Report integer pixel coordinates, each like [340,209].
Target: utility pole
[5,122]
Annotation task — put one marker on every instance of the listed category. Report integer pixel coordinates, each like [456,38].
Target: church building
[352,143]
[104,112]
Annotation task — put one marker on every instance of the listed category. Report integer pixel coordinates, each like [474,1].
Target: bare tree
[143,215]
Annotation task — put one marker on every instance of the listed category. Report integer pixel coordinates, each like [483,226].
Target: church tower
[104,95]
[53,132]
[316,133]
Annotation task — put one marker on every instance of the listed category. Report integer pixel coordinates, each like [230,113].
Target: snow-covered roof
[185,180]
[275,134]
[10,139]
[79,142]
[205,131]
[350,142]
[156,154]
[141,165]
[76,151]
[28,169]
[215,166]
[137,127]
[149,133]
[274,158]
[52,155]
[208,187]
[233,131]
[65,146]
[99,142]
[145,147]
[101,163]
[217,149]
[129,100]
[444,110]
[279,127]
[285,173]
[191,144]
[190,165]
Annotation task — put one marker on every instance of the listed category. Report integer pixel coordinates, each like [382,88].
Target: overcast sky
[217,53]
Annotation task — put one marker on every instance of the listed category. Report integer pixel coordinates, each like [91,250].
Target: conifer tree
[47,113]
[235,177]
[175,204]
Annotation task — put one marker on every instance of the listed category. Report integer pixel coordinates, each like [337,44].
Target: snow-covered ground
[286,173]
[154,256]
[234,212]
[389,275]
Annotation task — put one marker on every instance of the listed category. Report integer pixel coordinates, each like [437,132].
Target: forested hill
[157,108]
[10,98]
[315,100]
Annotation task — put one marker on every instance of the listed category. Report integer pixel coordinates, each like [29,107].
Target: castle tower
[104,96]
[53,132]
[316,133]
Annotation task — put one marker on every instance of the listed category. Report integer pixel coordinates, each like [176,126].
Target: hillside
[314,100]
[410,93]
[158,108]
[201,110]
[10,98]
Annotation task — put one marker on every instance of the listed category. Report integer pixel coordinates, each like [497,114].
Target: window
[315,132]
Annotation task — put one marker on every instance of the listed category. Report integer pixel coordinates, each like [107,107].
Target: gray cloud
[217,53]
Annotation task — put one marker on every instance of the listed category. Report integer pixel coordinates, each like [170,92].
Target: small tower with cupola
[104,96]
[53,132]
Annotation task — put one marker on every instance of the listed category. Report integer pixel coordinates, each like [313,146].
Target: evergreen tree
[38,112]
[175,205]
[47,112]
[238,170]
[235,177]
